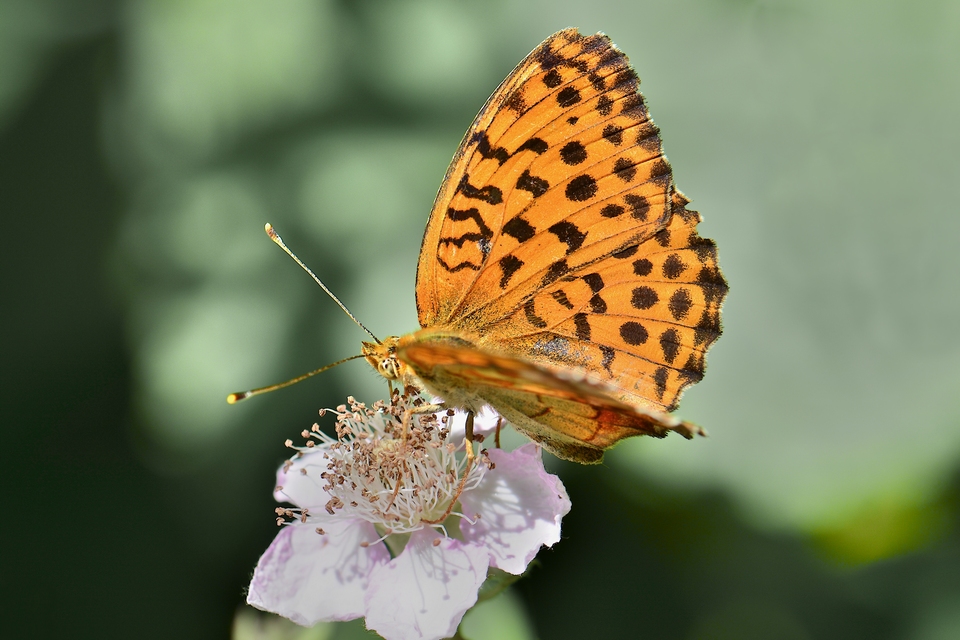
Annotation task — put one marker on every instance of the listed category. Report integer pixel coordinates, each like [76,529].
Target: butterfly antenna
[279,242]
[234,398]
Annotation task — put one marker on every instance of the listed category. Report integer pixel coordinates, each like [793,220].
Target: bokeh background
[143,144]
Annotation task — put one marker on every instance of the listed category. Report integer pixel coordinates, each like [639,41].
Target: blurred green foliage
[144,144]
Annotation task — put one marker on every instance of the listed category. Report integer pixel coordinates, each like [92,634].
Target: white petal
[304,489]
[520,507]
[309,577]
[424,592]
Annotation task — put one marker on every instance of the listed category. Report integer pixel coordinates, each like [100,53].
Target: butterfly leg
[471,456]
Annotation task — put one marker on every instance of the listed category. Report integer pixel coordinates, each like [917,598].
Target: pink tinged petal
[424,592]
[308,577]
[304,490]
[520,507]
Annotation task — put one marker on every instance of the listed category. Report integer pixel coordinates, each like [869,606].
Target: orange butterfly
[561,279]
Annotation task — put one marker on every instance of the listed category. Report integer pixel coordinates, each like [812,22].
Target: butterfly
[561,280]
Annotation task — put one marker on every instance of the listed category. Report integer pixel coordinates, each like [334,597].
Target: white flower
[360,497]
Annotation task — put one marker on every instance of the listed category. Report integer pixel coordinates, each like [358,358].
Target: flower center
[393,467]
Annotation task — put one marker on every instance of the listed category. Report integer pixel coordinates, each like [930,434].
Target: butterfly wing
[559,236]
[561,167]
[570,415]
[646,315]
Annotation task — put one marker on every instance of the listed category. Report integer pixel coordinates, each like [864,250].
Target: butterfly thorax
[387,358]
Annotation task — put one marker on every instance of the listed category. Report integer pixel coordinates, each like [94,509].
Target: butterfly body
[561,279]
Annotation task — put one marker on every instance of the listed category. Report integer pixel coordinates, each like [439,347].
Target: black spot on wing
[633,333]
[673,266]
[643,298]
[509,265]
[532,317]
[633,107]
[556,270]
[604,105]
[670,345]
[624,169]
[561,297]
[598,304]
[569,234]
[626,252]
[612,211]
[638,206]
[613,134]
[581,188]
[552,79]
[573,153]
[536,145]
[648,137]
[594,281]
[520,229]
[608,354]
[533,184]
[680,303]
[582,325]
[568,97]
[660,379]
[642,267]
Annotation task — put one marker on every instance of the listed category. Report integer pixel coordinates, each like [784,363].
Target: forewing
[561,168]
[642,319]
[573,417]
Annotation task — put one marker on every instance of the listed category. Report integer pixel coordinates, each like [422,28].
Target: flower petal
[520,507]
[309,577]
[424,592]
[303,489]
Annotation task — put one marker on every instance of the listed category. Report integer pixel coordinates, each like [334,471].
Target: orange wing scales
[562,167]
[561,278]
[647,314]
[573,416]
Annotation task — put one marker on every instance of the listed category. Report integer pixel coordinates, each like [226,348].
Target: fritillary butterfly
[561,279]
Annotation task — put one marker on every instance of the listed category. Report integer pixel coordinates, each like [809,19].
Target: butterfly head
[382,356]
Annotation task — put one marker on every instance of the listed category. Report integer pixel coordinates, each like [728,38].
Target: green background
[144,144]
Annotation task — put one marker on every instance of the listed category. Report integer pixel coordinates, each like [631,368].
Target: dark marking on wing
[489,194]
[556,270]
[532,316]
[569,234]
[644,298]
[535,185]
[561,297]
[536,145]
[680,303]
[670,345]
[673,266]
[660,379]
[624,169]
[509,265]
[582,325]
[581,188]
[487,151]
[633,333]
[613,134]
[638,206]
